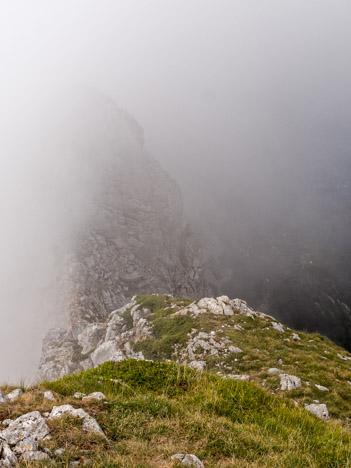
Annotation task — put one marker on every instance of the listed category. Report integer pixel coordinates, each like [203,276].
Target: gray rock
[273,371]
[34,456]
[289,382]
[295,337]
[3,398]
[31,425]
[59,452]
[12,396]
[278,326]
[79,395]
[8,458]
[99,396]
[89,423]
[319,410]
[321,388]
[197,365]
[49,395]
[133,240]
[239,377]
[6,422]
[235,349]
[344,358]
[188,460]
[26,445]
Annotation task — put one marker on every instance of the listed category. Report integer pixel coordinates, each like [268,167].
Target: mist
[247,104]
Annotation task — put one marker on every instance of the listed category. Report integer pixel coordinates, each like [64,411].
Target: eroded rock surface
[133,239]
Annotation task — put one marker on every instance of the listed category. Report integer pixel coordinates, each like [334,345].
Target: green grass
[167,330]
[314,362]
[157,409]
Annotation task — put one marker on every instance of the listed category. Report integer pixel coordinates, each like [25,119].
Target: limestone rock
[197,365]
[35,456]
[289,382]
[188,460]
[243,377]
[7,457]
[321,388]
[133,239]
[3,398]
[26,445]
[319,410]
[99,396]
[12,396]
[235,349]
[31,425]
[89,423]
[295,337]
[49,395]
[273,371]
[278,326]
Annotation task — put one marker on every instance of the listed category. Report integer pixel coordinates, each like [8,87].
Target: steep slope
[222,336]
[147,412]
[130,237]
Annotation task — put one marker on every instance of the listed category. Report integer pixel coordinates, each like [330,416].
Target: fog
[246,103]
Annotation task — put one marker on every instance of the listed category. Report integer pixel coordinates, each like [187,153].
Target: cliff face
[132,240]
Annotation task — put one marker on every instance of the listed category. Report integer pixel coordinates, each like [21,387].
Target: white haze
[234,96]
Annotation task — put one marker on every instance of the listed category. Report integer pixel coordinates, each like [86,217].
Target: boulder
[29,426]
[319,410]
[289,382]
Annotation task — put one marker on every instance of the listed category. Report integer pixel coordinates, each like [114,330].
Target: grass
[167,330]
[157,409]
[314,358]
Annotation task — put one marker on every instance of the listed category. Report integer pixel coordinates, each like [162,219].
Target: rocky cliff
[131,237]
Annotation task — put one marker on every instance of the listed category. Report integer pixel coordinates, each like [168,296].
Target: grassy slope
[314,362]
[157,409]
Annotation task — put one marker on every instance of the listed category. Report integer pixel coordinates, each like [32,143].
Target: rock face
[133,238]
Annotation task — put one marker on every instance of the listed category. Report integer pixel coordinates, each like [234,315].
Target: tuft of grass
[167,330]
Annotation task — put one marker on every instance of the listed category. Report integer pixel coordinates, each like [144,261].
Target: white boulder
[289,382]
[319,410]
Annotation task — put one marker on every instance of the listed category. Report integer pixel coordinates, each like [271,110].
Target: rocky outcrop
[132,239]
[115,338]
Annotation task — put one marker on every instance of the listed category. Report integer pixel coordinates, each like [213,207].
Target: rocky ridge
[224,336]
